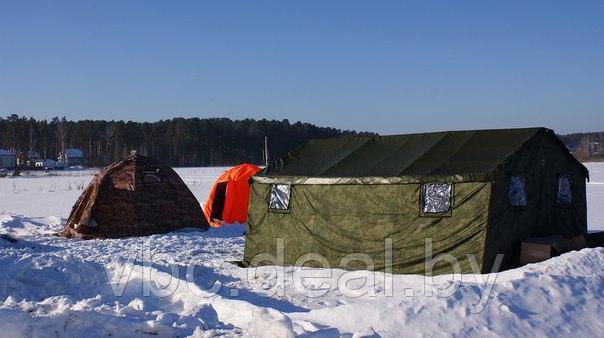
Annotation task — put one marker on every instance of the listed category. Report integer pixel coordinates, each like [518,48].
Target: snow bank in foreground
[61,316]
[182,284]
[560,297]
[79,288]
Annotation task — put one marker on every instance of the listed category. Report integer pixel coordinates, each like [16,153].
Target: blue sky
[389,67]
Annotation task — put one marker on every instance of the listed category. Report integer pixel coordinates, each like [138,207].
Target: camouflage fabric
[356,195]
[338,220]
[135,196]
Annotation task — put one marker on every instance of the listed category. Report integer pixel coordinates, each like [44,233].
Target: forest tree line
[191,141]
[175,142]
[585,146]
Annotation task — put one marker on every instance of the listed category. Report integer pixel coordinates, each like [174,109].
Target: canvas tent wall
[338,197]
[136,196]
[229,198]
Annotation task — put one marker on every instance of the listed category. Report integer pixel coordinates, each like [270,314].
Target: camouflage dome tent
[475,193]
[136,196]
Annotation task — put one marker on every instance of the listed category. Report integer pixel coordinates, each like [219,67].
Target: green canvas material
[354,194]
[434,154]
[540,162]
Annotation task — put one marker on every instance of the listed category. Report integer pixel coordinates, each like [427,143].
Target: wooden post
[265,151]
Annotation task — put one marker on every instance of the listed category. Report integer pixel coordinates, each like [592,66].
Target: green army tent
[461,193]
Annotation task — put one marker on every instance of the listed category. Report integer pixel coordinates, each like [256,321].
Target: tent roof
[74,153]
[239,172]
[473,154]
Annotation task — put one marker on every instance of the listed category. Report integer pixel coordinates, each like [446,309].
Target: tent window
[564,195]
[517,191]
[280,195]
[436,198]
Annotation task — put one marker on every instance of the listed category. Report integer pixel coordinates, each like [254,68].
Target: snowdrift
[181,284]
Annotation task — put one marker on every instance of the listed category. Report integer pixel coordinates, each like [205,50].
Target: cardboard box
[538,249]
[535,252]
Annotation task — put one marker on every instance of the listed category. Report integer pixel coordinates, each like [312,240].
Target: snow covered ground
[595,196]
[182,284]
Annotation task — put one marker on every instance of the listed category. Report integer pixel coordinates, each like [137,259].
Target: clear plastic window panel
[279,199]
[517,192]
[436,197]
[564,195]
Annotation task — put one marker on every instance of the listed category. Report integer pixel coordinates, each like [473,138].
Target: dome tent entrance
[135,196]
[229,198]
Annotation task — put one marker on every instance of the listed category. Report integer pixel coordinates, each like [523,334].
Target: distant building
[8,158]
[47,164]
[71,157]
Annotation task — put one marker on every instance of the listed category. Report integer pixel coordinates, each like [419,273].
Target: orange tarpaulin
[230,196]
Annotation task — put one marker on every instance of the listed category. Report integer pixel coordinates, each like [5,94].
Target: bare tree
[32,139]
[62,132]
[108,135]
